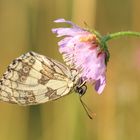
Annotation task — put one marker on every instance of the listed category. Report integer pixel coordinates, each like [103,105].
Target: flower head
[81,50]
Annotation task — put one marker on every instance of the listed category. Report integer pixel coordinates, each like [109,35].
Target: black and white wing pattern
[34,79]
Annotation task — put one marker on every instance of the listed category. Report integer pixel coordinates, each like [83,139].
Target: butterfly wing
[33,79]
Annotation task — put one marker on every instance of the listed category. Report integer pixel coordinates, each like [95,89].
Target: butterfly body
[34,79]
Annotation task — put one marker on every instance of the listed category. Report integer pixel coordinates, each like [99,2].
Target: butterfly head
[80,87]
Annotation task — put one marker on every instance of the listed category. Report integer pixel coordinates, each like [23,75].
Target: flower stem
[121,34]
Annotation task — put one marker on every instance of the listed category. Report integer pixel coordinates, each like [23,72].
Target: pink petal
[100,84]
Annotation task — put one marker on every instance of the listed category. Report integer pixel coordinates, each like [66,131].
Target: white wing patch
[33,79]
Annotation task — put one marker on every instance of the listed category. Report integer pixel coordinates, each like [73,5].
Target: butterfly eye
[81,90]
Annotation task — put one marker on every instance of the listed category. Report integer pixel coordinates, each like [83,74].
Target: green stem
[121,34]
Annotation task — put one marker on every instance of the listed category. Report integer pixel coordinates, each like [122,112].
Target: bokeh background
[26,25]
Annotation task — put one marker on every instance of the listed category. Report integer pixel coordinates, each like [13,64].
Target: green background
[26,25]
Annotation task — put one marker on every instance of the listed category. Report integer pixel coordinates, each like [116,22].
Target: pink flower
[81,50]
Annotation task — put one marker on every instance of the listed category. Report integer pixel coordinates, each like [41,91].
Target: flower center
[88,38]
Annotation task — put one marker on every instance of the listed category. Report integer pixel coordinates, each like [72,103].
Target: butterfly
[34,79]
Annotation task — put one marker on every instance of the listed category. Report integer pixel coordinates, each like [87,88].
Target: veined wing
[34,79]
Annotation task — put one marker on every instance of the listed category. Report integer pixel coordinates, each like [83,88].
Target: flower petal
[66,31]
[100,84]
[61,20]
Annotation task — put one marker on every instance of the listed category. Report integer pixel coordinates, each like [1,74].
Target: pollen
[88,38]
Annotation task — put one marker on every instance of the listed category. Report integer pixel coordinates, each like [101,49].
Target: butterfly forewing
[34,79]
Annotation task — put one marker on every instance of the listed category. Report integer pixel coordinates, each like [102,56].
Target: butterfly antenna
[90,114]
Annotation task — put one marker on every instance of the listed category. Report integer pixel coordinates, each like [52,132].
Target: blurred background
[26,25]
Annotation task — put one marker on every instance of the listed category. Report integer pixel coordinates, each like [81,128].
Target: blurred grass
[26,25]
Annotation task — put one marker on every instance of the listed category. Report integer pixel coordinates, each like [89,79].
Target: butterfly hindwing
[34,79]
